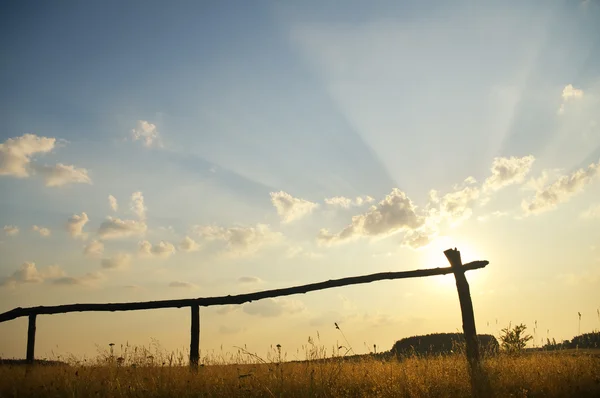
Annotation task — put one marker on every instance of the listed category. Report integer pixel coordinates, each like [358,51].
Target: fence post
[478,379]
[31,339]
[195,337]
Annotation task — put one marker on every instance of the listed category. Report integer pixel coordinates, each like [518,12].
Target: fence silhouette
[453,256]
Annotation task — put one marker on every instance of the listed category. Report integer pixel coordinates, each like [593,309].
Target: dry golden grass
[529,375]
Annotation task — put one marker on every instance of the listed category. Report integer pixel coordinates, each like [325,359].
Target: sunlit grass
[152,372]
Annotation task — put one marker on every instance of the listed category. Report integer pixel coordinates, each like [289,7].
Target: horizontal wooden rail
[236,299]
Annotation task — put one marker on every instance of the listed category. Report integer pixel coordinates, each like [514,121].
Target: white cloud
[184,285]
[290,208]
[454,206]
[240,240]
[591,212]
[210,232]
[508,171]
[89,279]
[137,205]
[115,228]
[189,245]
[418,239]
[223,329]
[94,249]
[16,153]
[118,261]
[162,249]
[62,174]
[569,93]
[16,160]
[271,307]
[249,280]
[112,202]
[28,273]
[346,203]
[43,231]
[495,214]
[339,201]
[11,230]
[393,214]
[547,197]
[75,225]
[147,133]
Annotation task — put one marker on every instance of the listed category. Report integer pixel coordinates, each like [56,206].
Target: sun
[433,257]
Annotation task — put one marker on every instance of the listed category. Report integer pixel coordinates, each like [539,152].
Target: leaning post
[478,382]
[31,339]
[195,337]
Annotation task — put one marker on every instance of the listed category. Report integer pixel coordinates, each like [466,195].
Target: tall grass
[151,372]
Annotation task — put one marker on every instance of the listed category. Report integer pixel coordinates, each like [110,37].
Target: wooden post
[479,382]
[466,305]
[195,337]
[31,339]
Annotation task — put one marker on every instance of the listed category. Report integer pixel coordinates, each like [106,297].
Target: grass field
[536,374]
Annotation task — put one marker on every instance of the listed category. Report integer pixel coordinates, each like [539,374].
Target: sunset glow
[152,151]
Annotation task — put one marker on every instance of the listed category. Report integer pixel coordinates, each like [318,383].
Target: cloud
[162,249]
[290,208]
[88,279]
[28,273]
[346,203]
[118,261]
[508,171]
[210,232]
[112,202]
[62,174]
[418,239]
[271,307]
[592,212]
[249,280]
[16,160]
[189,245]
[454,206]
[41,230]
[137,205]
[16,153]
[180,284]
[569,93]
[75,225]
[230,329]
[393,214]
[94,249]
[240,240]
[147,133]
[227,309]
[547,197]
[115,228]
[11,230]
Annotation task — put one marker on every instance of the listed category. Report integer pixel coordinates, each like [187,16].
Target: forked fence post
[31,339]
[479,384]
[195,337]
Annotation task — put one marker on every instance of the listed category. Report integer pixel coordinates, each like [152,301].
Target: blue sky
[286,143]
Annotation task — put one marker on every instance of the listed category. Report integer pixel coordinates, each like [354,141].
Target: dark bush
[442,344]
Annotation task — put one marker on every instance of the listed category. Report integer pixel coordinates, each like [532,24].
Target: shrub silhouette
[442,344]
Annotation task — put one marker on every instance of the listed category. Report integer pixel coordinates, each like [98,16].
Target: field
[569,373]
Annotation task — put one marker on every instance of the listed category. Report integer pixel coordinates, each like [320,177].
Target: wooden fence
[453,256]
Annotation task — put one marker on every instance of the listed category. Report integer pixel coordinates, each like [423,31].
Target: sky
[154,151]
